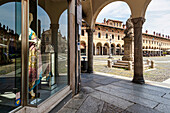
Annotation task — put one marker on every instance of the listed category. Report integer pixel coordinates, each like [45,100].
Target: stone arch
[113,49]
[106,49]
[91,8]
[99,48]
[83,47]
[118,49]
[53,8]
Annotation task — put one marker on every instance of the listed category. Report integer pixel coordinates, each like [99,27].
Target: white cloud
[157,15]
[115,10]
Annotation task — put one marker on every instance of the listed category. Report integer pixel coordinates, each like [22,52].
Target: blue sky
[157,15]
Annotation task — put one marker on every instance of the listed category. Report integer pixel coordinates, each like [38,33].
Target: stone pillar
[102,50]
[109,63]
[152,64]
[128,49]
[95,50]
[90,50]
[130,65]
[148,61]
[138,53]
[114,50]
[54,41]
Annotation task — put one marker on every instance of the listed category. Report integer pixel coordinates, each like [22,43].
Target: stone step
[118,63]
[120,66]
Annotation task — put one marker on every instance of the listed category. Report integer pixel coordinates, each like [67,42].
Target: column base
[127,58]
[138,80]
[89,71]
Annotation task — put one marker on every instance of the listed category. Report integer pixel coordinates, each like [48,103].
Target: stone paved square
[119,95]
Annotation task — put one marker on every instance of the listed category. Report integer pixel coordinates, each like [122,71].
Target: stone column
[138,54]
[128,49]
[54,41]
[114,50]
[90,50]
[95,51]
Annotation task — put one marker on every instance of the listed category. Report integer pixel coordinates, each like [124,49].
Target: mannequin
[34,59]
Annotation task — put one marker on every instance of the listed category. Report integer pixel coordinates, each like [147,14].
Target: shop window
[99,35]
[10,55]
[48,62]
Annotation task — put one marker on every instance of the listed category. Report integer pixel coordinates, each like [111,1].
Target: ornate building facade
[110,34]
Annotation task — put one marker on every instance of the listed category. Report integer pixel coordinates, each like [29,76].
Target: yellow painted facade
[110,33]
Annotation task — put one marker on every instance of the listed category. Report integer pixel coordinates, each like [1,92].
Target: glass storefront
[48,41]
[10,55]
[47,70]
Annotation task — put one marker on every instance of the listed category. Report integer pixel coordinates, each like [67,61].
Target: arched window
[99,35]
[118,37]
[112,36]
[106,35]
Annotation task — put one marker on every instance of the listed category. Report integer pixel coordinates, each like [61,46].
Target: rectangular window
[10,55]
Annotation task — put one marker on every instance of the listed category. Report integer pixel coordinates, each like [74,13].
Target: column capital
[54,26]
[138,22]
[90,30]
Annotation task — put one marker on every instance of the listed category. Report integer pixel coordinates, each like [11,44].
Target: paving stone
[163,108]
[136,108]
[167,96]
[116,101]
[75,103]
[84,80]
[140,88]
[67,110]
[81,95]
[87,90]
[132,98]
[91,84]
[109,108]
[91,105]
[106,81]
[142,94]
[148,86]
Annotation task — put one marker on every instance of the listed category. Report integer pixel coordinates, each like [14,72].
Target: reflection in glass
[10,56]
[49,74]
